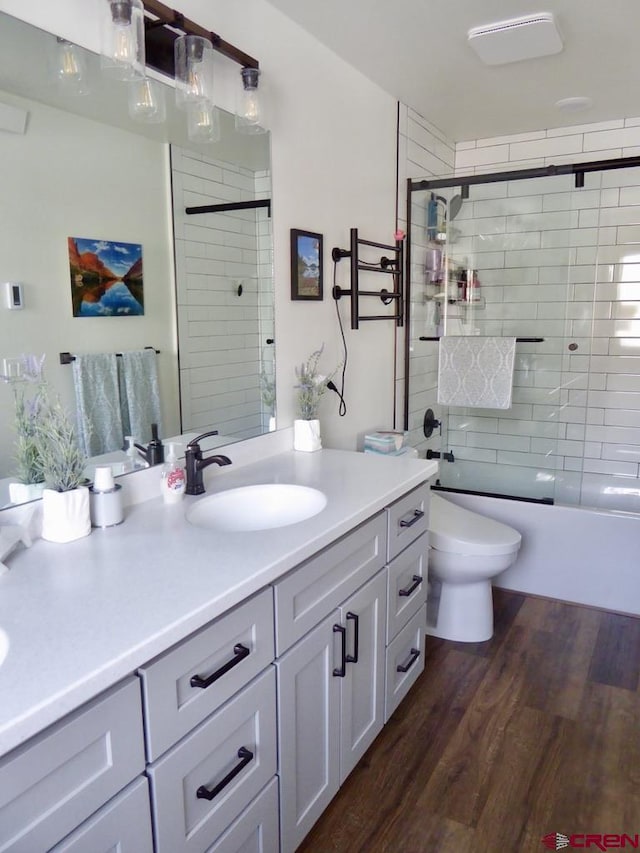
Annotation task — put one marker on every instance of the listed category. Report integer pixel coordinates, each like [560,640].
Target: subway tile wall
[424,151]
[222,333]
[558,263]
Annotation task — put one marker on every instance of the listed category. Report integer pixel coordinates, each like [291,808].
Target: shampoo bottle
[173,481]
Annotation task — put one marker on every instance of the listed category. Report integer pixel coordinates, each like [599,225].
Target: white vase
[306,435]
[65,515]
[21,493]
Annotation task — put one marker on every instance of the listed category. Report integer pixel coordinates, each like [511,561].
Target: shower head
[454,206]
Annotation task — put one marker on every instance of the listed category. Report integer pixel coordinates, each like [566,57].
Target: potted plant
[29,393]
[311,386]
[65,500]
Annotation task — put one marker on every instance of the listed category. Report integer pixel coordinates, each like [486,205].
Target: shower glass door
[509,258]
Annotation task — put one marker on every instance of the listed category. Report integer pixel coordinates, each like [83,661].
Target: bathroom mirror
[77,166]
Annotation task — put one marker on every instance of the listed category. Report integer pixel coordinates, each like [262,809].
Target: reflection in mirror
[80,167]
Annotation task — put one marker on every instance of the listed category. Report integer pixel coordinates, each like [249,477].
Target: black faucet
[153,453]
[195,464]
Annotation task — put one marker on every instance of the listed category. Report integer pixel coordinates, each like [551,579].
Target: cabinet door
[362,689]
[308,729]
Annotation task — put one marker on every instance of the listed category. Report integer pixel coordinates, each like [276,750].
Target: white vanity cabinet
[408,549]
[64,775]
[331,681]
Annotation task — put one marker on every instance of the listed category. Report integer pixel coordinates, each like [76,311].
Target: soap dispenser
[173,481]
[134,462]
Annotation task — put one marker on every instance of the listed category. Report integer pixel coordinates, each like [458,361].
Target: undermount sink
[257,507]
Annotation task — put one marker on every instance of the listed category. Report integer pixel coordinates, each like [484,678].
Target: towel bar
[67,358]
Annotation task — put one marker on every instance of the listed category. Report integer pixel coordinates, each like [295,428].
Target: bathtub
[576,554]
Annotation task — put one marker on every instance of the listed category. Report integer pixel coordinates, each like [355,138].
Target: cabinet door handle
[341,670]
[356,637]
[417,580]
[203,793]
[240,652]
[416,515]
[405,667]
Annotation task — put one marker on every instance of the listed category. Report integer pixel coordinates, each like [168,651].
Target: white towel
[95,379]
[139,393]
[476,371]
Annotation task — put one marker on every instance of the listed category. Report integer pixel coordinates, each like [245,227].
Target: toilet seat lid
[457,530]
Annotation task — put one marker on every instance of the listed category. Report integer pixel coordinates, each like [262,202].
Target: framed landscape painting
[106,278]
[306,265]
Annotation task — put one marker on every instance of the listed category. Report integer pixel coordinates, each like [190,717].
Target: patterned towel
[139,393]
[476,371]
[95,379]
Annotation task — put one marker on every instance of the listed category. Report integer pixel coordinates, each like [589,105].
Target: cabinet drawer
[405,660]
[124,824]
[309,593]
[228,653]
[206,759]
[257,829]
[407,519]
[407,590]
[59,778]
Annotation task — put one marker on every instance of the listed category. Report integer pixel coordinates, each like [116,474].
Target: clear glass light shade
[70,69]
[249,114]
[123,54]
[193,70]
[147,101]
[203,123]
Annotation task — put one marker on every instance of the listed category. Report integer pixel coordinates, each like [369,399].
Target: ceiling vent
[516,39]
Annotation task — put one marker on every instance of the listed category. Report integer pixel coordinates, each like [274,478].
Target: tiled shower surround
[553,262]
[222,334]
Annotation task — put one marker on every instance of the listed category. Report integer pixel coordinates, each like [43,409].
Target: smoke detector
[516,39]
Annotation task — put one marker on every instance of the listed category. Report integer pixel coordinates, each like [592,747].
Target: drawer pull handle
[341,671]
[416,516]
[240,652]
[417,580]
[356,637]
[405,667]
[245,755]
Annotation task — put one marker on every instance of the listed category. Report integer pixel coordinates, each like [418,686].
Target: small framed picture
[306,265]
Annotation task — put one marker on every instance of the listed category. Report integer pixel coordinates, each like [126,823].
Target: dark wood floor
[499,743]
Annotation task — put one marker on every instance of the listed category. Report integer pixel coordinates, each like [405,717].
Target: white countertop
[79,617]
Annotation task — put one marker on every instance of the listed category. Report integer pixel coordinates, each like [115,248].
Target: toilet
[466,551]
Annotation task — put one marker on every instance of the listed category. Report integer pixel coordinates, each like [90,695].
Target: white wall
[333,157]
[95,189]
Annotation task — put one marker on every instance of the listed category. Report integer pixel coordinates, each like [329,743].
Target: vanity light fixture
[123,44]
[147,101]
[70,68]
[193,71]
[249,112]
[203,124]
